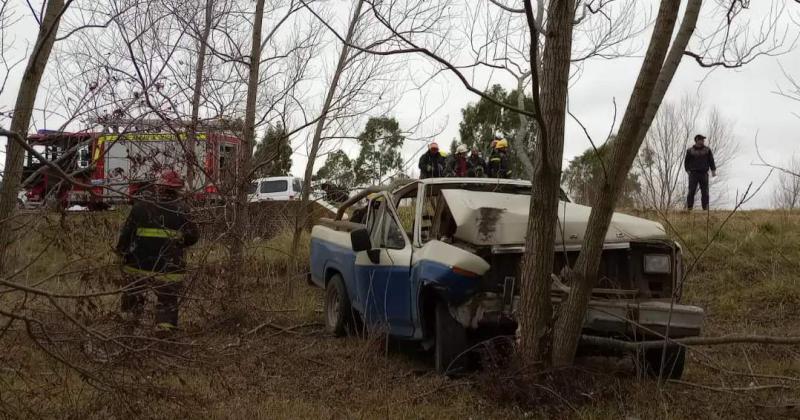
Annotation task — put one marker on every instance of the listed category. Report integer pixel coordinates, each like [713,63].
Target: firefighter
[499,165]
[697,163]
[497,137]
[457,164]
[151,245]
[433,163]
[476,166]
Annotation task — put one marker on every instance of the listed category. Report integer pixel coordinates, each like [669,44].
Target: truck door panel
[384,288]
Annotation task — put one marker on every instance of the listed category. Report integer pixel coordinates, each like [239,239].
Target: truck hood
[491,218]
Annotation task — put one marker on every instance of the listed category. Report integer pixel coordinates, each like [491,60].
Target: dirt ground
[264,354]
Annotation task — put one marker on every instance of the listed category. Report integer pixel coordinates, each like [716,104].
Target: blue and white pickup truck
[438,261]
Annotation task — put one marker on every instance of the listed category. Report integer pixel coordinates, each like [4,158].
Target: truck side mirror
[360,241]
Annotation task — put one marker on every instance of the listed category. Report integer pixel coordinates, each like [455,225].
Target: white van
[279,188]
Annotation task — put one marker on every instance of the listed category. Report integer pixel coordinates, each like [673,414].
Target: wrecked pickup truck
[438,261]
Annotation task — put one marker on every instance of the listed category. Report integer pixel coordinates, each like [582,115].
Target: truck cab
[438,261]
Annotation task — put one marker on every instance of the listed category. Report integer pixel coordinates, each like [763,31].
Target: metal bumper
[620,318]
[644,319]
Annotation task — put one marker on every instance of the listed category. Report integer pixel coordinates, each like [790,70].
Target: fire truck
[111,168]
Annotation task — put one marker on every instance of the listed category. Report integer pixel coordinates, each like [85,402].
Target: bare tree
[660,63]
[23,108]
[659,164]
[654,78]
[357,87]
[787,190]
[247,145]
[723,140]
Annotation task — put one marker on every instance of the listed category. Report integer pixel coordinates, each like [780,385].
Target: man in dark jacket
[476,166]
[499,162]
[433,163]
[699,159]
[152,244]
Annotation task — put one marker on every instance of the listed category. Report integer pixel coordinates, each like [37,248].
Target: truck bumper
[616,318]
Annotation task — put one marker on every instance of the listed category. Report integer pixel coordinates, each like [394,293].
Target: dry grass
[271,358]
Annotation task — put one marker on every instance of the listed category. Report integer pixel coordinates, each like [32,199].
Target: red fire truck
[113,167]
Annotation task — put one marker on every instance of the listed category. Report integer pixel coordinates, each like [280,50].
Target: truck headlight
[657,264]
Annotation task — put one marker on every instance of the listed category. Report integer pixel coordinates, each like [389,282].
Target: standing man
[457,165]
[699,159]
[432,164]
[152,244]
[476,166]
[499,165]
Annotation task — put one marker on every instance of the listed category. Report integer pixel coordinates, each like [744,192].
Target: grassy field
[261,352]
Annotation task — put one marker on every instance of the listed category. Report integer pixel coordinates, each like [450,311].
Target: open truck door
[382,272]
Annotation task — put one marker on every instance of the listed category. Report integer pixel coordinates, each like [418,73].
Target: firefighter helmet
[170,179]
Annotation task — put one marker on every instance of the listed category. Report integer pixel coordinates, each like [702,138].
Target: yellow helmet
[501,144]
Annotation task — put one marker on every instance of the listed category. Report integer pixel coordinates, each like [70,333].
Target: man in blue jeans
[699,160]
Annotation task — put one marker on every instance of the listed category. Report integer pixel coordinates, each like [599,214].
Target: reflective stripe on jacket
[155,235]
[167,277]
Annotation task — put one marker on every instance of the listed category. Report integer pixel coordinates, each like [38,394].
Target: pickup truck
[437,261]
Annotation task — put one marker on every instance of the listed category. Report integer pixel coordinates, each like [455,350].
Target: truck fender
[330,270]
[429,295]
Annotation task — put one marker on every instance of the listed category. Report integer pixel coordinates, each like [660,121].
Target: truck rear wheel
[338,312]
[450,342]
[650,362]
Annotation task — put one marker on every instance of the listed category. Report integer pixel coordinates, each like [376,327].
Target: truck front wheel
[450,342]
[338,311]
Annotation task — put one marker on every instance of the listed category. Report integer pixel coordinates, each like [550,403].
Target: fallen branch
[690,341]
[746,374]
[731,389]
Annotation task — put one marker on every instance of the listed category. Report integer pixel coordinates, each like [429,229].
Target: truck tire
[650,362]
[338,311]
[450,342]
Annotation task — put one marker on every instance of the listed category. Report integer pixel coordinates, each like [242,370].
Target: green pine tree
[379,158]
[584,175]
[273,154]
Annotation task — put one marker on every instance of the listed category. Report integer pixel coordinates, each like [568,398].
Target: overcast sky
[746,96]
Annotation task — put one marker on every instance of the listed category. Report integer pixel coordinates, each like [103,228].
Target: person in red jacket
[457,165]
[151,244]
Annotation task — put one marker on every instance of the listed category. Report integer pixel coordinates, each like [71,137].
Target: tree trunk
[522,132]
[535,308]
[21,119]
[246,150]
[653,81]
[301,222]
[197,91]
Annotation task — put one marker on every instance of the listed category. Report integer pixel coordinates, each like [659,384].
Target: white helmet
[498,136]
[462,148]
